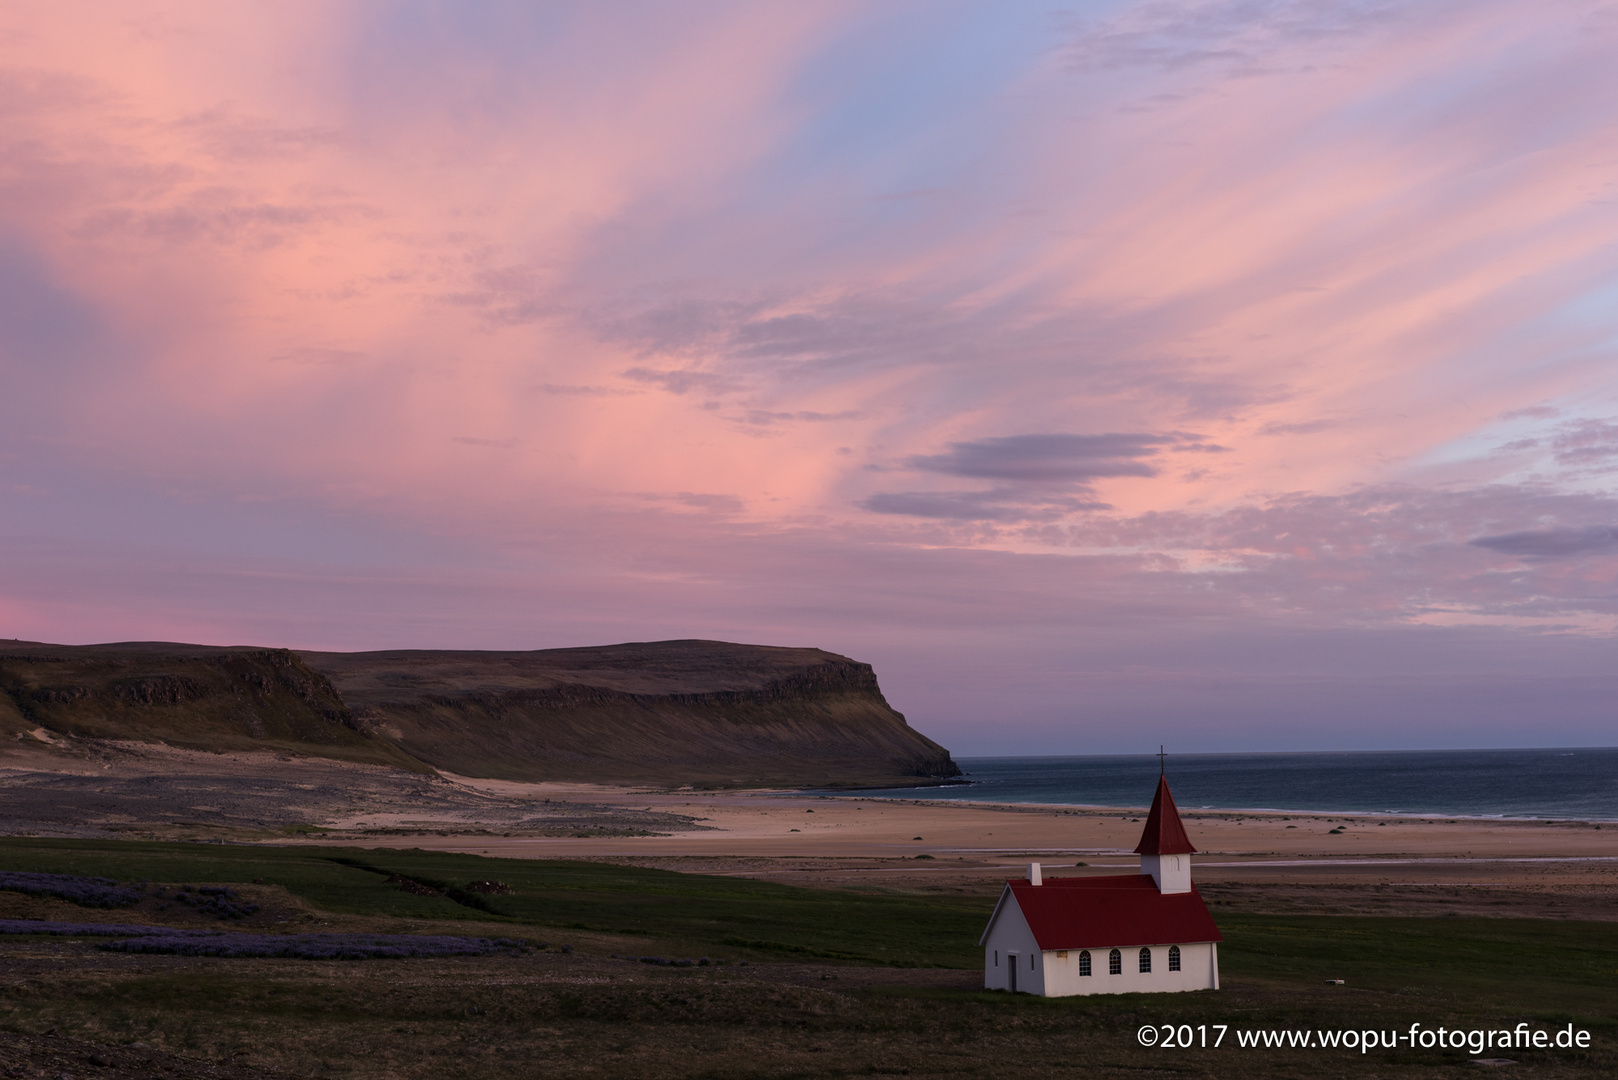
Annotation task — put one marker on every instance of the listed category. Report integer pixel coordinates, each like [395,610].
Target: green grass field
[837,983]
[688,910]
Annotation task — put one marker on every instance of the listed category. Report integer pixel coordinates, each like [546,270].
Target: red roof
[1108,912]
[1164,835]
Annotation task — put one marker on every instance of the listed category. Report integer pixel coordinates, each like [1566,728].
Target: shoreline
[778,824]
[1190,812]
[96,757]
[1550,784]
[1275,861]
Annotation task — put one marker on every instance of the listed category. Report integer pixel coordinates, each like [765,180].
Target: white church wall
[1199,970]
[1010,941]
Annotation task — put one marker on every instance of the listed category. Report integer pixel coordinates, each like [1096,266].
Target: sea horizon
[1530,783]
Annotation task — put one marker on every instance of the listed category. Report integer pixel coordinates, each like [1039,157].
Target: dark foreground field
[800,982]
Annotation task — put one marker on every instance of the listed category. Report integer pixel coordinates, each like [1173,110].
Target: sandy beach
[1375,863]
[783,824]
[1281,861]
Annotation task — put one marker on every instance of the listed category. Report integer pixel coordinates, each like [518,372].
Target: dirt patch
[412,886]
[135,791]
[55,1056]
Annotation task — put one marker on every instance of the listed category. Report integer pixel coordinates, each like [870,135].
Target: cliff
[195,696]
[707,713]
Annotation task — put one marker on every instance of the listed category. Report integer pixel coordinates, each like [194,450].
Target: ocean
[1570,784]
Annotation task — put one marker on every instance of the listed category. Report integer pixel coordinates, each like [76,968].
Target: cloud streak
[1554,542]
[1046,458]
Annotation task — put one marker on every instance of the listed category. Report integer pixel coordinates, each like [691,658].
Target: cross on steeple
[1161,769]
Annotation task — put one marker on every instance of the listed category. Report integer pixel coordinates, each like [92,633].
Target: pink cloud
[741,293]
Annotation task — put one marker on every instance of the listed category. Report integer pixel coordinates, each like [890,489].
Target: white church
[1120,934]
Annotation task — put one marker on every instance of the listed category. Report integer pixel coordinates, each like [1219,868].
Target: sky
[1237,375]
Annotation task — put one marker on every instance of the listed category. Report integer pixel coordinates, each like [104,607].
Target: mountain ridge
[690,711]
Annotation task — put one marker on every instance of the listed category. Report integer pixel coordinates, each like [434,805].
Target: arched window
[1174,958]
[1084,962]
[1146,961]
[1115,963]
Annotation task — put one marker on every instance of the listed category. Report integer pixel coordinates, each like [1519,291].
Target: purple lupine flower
[174,941]
[73,929]
[315,946]
[85,891]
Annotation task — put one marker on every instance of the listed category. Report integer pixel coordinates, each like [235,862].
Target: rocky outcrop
[196,697]
[705,713]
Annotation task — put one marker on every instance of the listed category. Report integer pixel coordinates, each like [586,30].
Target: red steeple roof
[1164,835]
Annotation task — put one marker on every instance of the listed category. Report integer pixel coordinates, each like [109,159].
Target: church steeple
[1164,835]
[1164,848]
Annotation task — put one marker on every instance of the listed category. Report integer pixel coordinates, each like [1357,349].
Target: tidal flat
[800,982]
